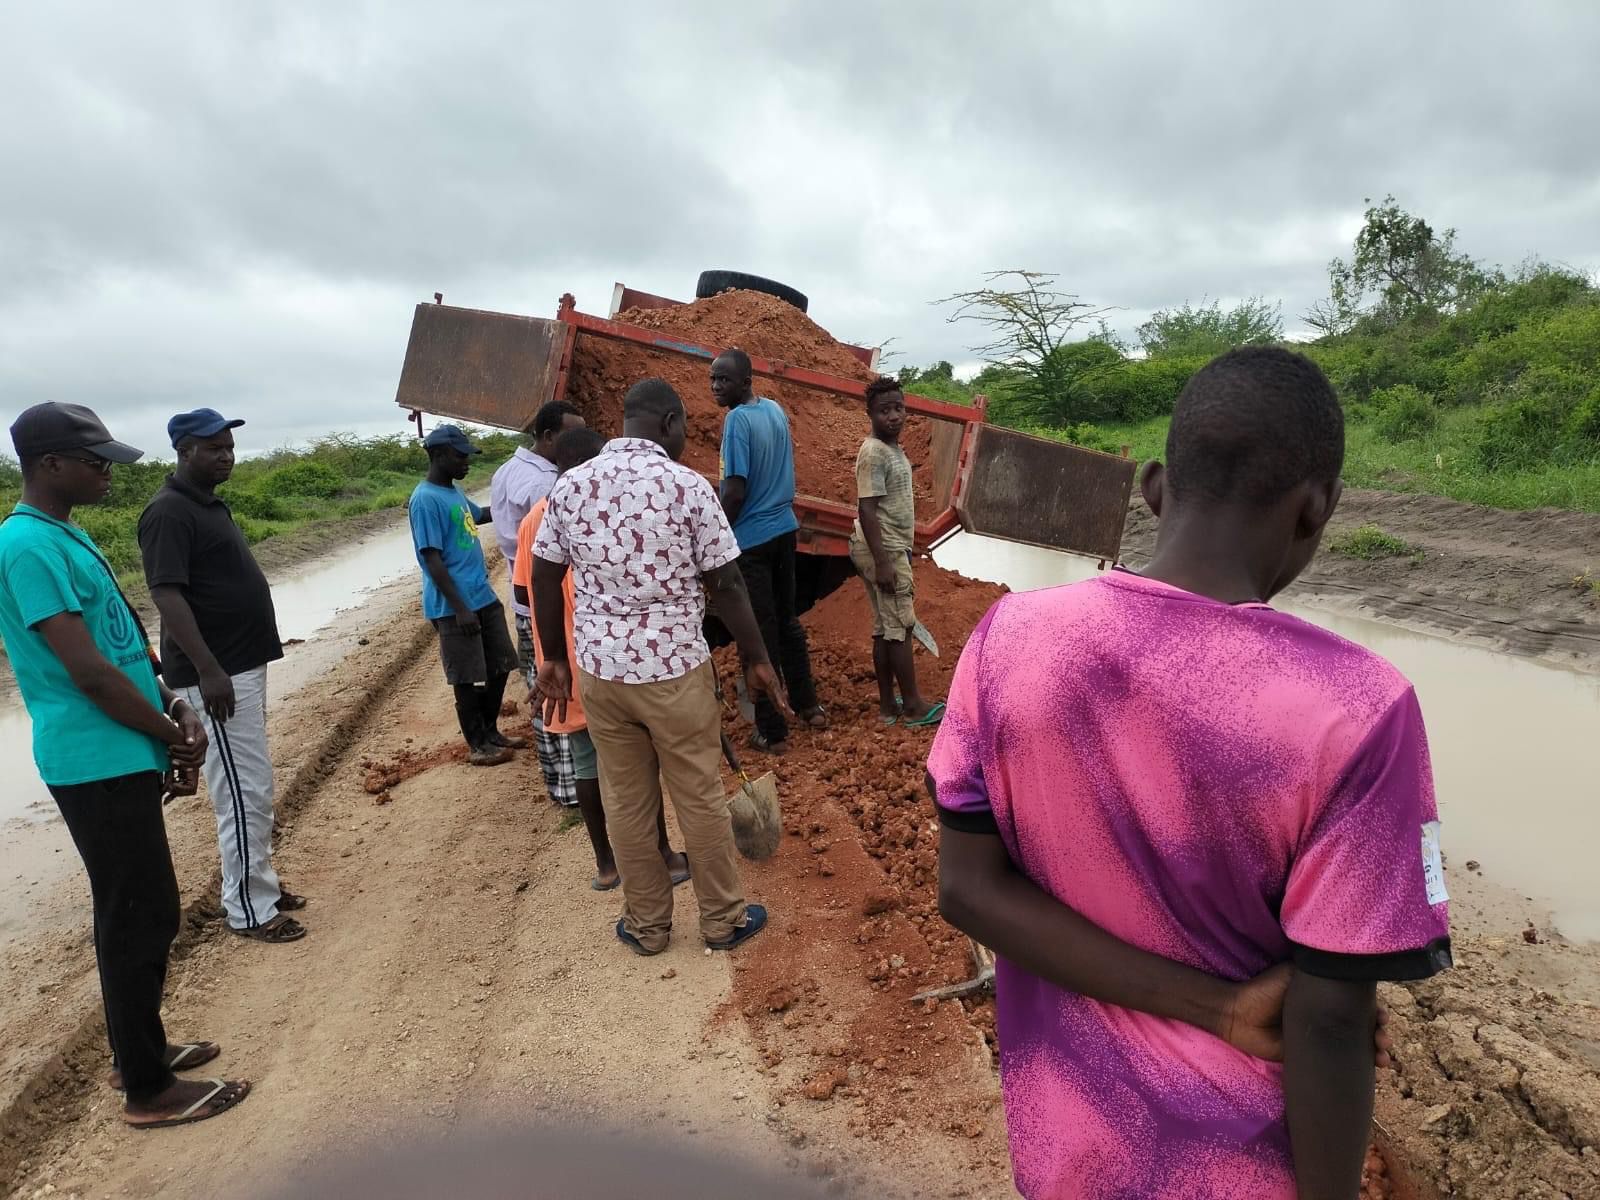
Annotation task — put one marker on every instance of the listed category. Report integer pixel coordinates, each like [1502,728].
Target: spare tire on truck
[712,282]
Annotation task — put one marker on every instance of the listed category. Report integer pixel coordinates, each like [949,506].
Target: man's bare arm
[1327,1081]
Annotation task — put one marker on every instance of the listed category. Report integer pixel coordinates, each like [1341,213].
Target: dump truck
[498,369]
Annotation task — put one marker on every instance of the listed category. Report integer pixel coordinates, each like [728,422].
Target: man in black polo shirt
[218,633]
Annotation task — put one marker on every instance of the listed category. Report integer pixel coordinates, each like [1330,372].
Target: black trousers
[768,571]
[118,829]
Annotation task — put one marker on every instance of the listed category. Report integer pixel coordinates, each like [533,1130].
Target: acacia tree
[1399,268]
[1034,335]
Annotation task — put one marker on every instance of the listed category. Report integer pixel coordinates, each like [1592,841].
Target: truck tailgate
[1043,492]
[489,368]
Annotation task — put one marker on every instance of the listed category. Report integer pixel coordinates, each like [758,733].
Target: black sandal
[276,931]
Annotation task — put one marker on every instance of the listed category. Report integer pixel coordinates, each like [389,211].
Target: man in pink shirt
[1152,785]
[645,537]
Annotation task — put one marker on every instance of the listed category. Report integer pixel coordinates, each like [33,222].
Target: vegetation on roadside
[1371,543]
[1458,379]
[335,477]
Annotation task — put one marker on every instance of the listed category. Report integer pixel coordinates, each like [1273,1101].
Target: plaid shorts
[556,765]
[525,655]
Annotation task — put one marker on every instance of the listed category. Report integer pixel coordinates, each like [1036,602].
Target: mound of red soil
[828,429]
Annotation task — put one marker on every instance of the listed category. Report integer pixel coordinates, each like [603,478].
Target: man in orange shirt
[576,768]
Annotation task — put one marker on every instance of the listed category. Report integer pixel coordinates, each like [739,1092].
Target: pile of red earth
[856,934]
[827,991]
[828,428]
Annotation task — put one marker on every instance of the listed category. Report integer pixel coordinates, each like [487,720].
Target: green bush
[1371,543]
[1583,427]
[1536,421]
[304,478]
[1401,412]
[1138,389]
[249,502]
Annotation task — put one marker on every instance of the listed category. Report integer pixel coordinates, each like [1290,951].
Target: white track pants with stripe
[239,780]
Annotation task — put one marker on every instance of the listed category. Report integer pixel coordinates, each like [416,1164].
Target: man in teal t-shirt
[758,497]
[109,738]
[458,598]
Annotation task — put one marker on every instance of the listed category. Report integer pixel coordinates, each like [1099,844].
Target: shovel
[754,809]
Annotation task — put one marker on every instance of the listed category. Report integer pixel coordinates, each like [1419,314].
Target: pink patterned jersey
[637,530]
[1224,785]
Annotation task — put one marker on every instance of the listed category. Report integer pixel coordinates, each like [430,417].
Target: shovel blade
[757,818]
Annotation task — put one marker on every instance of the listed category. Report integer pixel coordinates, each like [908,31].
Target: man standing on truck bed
[218,633]
[758,496]
[457,598]
[645,539]
[522,481]
[880,549]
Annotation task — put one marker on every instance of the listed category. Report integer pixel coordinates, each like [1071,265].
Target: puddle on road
[1516,758]
[307,601]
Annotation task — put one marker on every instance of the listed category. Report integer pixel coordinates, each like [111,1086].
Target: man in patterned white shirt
[644,536]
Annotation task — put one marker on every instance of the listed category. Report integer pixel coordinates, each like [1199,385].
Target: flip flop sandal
[186,1057]
[755,922]
[204,1108]
[888,721]
[289,902]
[679,878]
[932,717]
[633,943]
[605,887]
[276,931]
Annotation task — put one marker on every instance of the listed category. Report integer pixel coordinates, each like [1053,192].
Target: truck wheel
[712,282]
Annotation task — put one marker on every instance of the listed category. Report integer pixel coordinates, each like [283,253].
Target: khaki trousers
[644,732]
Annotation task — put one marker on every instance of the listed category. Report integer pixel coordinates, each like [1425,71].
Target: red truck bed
[498,369]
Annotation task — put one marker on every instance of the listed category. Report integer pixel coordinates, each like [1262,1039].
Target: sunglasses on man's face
[103,465]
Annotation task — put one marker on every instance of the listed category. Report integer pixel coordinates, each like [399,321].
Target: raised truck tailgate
[489,368]
[1043,492]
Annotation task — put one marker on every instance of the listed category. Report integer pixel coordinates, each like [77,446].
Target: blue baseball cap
[450,435]
[201,423]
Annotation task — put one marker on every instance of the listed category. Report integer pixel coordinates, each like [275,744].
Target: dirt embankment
[828,428]
[1494,1093]
[1521,582]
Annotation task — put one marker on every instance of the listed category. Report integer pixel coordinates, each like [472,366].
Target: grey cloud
[239,204]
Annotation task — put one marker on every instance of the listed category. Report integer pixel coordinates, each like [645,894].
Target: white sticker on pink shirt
[1433,864]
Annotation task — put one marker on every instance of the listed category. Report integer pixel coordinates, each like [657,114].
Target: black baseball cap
[201,423]
[51,427]
[450,435]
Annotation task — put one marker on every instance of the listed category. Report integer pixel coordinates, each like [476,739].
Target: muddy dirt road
[1521,582]
[459,972]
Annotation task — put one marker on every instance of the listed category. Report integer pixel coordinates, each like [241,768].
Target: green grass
[1371,543]
[336,478]
[1439,462]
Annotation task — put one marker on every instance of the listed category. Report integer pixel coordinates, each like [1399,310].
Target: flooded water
[1516,743]
[306,601]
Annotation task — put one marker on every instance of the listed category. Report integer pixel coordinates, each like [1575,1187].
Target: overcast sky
[237,205]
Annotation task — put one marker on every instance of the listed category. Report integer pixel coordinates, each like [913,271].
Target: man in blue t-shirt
[758,496]
[109,738]
[457,597]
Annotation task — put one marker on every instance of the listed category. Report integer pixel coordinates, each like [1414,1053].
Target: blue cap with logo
[201,423]
[450,435]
